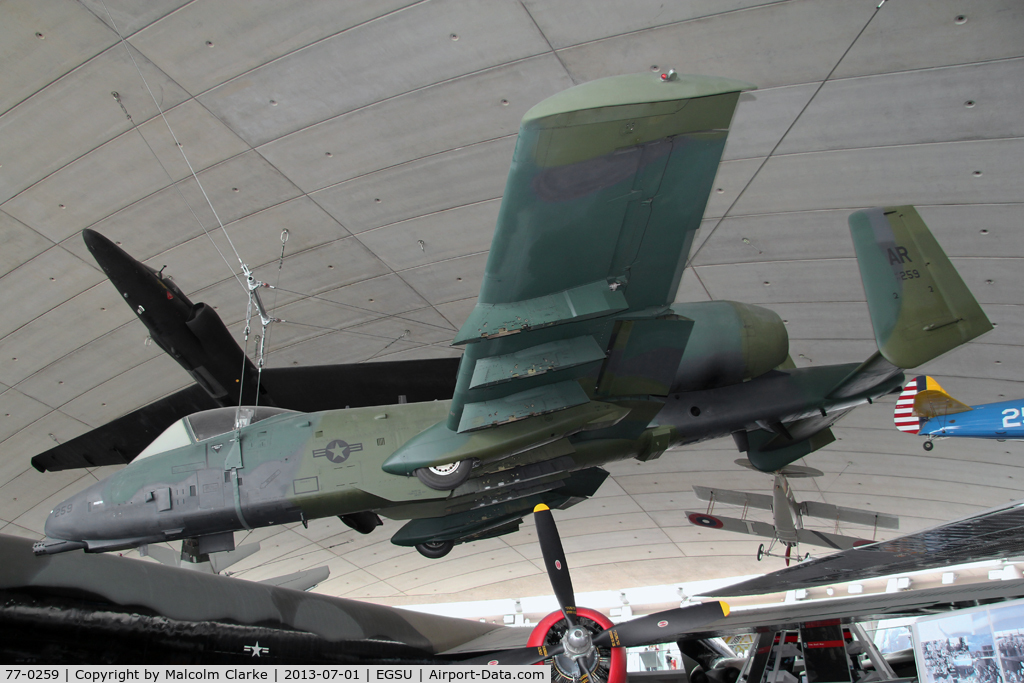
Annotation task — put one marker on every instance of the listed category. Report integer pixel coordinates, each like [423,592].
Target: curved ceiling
[379,134]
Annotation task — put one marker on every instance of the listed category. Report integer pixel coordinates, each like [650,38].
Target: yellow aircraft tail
[924,398]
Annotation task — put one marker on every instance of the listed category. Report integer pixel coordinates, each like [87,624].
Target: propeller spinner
[583,644]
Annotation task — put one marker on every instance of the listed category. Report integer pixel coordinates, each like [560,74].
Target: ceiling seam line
[421,88]
[409,162]
[903,145]
[430,213]
[792,124]
[551,48]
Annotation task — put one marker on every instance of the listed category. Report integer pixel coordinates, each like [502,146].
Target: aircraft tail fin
[920,307]
[922,397]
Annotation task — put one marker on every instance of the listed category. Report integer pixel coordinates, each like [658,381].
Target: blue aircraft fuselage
[1003,420]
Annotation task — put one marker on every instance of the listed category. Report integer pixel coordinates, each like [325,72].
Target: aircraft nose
[68,520]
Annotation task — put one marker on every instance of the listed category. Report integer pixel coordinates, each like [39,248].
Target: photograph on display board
[980,645]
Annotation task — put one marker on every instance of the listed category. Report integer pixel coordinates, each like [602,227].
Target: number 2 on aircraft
[1010,414]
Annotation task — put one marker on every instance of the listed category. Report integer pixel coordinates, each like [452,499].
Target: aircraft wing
[851,515]
[740,498]
[305,389]
[827,540]
[739,526]
[615,172]
[994,534]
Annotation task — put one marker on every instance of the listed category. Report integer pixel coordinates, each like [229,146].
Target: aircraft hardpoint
[575,355]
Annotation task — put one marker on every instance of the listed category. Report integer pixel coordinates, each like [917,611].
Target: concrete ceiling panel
[238,187]
[456,312]
[976,229]
[91,364]
[776,237]
[41,43]
[353,69]
[990,361]
[778,44]
[125,392]
[467,175]
[46,281]
[766,283]
[63,329]
[129,16]
[203,138]
[31,488]
[762,117]
[53,428]
[691,289]
[828,320]
[89,189]
[76,114]
[329,348]
[901,38]
[992,280]
[327,267]
[730,183]
[566,23]
[21,243]
[436,119]
[446,281]
[913,107]
[1008,322]
[17,411]
[435,237]
[425,326]
[940,173]
[205,44]
[417,353]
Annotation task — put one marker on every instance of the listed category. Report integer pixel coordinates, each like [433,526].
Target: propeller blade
[554,560]
[661,627]
[523,656]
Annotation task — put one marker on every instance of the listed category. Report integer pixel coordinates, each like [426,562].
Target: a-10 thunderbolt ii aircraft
[574,356]
[787,527]
[925,408]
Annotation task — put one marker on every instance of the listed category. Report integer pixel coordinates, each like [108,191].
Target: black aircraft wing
[82,608]
[997,533]
[305,389]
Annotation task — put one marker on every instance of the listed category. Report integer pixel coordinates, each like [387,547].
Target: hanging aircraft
[925,408]
[787,529]
[195,336]
[574,356]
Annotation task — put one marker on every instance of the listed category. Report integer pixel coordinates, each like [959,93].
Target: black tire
[760,552]
[927,445]
[435,549]
[445,477]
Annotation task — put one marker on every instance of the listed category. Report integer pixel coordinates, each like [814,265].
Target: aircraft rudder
[920,307]
[903,414]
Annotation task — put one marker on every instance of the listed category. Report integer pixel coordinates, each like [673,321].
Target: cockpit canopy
[206,425]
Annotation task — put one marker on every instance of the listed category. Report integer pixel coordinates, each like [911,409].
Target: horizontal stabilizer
[920,307]
[739,526]
[739,498]
[810,508]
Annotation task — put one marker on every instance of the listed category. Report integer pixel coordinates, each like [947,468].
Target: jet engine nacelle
[730,343]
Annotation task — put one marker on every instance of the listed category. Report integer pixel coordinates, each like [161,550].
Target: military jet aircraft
[574,355]
[195,336]
[787,529]
[925,408]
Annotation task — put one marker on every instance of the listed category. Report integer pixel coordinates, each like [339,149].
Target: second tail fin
[923,398]
[920,307]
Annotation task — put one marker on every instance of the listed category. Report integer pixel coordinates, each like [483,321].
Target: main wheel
[760,552]
[927,445]
[445,477]
[435,549]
